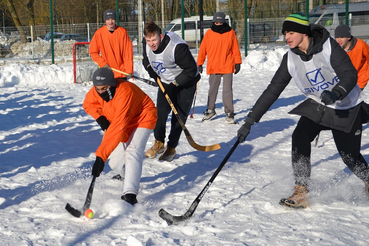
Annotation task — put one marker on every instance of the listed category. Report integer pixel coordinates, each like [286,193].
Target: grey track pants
[214,83]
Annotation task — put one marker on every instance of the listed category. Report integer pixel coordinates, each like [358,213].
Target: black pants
[348,146]
[182,101]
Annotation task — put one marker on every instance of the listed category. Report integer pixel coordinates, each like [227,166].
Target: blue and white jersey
[164,63]
[316,75]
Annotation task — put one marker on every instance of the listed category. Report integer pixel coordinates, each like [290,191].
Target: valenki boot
[299,198]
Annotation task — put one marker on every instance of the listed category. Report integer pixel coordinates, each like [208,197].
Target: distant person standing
[358,51]
[111,46]
[224,58]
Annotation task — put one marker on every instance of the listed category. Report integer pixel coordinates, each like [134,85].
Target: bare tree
[16,20]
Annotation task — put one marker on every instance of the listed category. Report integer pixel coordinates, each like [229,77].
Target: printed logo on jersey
[315,77]
[159,68]
[318,82]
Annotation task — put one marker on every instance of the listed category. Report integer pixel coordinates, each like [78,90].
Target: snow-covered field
[47,145]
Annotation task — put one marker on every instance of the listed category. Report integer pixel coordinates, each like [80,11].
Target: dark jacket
[183,58]
[317,112]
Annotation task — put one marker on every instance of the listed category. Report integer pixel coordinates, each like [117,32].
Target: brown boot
[168,155]
[299,198]
[157,148]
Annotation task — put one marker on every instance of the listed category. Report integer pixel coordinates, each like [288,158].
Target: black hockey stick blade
[171,219]
[76,212]
[175,220]
[73,211]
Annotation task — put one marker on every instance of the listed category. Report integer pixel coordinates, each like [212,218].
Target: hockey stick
[76,212]
[171,219]
[184,128]
[317,139]
[194,100]
[147,81]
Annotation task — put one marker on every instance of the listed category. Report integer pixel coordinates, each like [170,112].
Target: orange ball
[89,213]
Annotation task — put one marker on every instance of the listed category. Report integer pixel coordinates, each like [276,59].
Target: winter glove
[152,73]
[107,66]
[245,129]
[98,166]
[103,122]
[329,97]
[170,90]
[237,68]
[129,75]
[200,69]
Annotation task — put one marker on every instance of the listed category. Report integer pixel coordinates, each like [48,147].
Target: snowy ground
[47,149]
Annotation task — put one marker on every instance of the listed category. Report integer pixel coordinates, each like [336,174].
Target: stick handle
[147,81]
[89,195]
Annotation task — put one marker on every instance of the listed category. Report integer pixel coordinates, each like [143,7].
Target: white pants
[127,159]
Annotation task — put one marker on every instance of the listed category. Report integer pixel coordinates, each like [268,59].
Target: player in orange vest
[357,50]
[128,116]
[111,47]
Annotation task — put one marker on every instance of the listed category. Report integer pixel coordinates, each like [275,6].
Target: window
[326,20]
[177,27]
[190,25]
[207,24]
[358,18]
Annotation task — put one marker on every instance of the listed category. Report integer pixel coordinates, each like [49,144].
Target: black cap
[104,76]
[342,31]
[219,17]
[110,14]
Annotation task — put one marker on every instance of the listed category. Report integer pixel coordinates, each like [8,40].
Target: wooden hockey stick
[184,128]
[317,139]
[194,100]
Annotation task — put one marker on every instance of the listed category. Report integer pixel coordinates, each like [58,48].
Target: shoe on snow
[168,155]
[230,118]
[130,198]
[209,114]
[157,148]
[299,198]
[289,203]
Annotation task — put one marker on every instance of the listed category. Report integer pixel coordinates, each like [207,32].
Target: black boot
[130,198]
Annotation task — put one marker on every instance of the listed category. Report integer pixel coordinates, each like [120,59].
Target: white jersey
[164,63]
[314,76]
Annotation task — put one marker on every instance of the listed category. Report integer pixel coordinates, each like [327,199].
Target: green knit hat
[296,23]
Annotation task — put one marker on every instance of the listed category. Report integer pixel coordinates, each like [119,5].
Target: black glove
[329,97]
[245,129]
[170,90]
[152,73]
[237,68]
[200,69]
[98,166]
[103,122]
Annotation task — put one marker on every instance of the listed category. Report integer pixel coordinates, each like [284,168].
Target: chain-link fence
[38,44]
[260,29]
